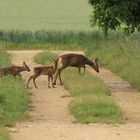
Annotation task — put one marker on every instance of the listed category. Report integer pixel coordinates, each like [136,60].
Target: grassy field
[14,99]
[92,103]
[35,15]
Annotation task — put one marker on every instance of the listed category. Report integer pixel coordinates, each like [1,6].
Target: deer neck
[20,69]
[56,66]
[90,63]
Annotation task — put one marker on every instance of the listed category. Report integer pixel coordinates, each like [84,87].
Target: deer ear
[23,62]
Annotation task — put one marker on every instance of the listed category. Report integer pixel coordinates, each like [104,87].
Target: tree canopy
[111,14]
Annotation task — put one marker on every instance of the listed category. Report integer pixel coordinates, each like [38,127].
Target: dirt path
[51,120]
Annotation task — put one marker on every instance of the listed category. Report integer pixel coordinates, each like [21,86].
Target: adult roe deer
[14,70]
[42,70]
[74,60]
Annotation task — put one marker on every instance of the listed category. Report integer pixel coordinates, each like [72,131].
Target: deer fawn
[42,70]
[74,60]
[14,70]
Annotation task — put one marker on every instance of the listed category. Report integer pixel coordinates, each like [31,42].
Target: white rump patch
[60,62]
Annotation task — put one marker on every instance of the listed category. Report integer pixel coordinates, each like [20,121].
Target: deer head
[95,65]
[25,66]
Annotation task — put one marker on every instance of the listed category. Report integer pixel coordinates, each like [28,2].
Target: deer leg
[79,70]
[34,78]
[55,78]
[58,74]
[49,81]
[84,69]
[31,77]
[52,82]
[60,79]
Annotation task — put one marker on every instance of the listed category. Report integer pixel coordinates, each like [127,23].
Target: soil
[50,118]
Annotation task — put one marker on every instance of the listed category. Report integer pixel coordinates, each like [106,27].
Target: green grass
[123,59]
[35,15]
[92,102]
[4,134]
[14,99]
[4,58]
[44,59]
[95,110]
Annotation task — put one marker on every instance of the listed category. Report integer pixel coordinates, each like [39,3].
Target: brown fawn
[74,60]
[14,70]
[42,70]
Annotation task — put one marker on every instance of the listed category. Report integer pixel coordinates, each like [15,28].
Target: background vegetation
[111,14]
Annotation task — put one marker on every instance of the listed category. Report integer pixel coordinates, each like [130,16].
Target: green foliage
[111,14]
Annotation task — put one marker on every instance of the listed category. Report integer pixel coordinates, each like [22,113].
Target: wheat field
[32,15]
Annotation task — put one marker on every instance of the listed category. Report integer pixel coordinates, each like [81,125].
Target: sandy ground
[51,119]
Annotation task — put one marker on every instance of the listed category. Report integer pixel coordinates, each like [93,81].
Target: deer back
[74,60]
[46,70]
[14,69]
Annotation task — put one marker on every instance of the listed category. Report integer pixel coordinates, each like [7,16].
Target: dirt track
[51,120]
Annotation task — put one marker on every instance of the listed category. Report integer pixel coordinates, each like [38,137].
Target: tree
[111,14]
